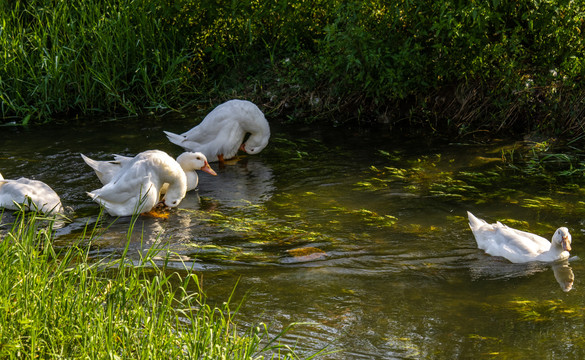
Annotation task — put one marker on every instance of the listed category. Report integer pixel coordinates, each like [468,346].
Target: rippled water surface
[360,233]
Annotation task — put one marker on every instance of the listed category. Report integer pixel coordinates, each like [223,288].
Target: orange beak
[208,169]
[243,147]
[566,244]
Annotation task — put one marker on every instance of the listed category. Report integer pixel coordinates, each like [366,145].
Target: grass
[453,67]
[90,57]
[60,303]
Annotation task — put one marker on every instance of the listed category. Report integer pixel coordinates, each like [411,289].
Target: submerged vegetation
[61,303]
[450,66]
[557,179]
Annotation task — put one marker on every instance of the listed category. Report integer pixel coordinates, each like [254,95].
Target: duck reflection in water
[250,181]
[497,268]
[564,274]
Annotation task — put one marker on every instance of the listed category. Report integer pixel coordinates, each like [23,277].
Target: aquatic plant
[543,310]
[539,159]
[58,302]
[549,181]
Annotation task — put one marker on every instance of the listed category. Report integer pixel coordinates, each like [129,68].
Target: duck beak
[243,147]
[208,169]
[566,243]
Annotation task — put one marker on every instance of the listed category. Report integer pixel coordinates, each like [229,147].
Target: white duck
[221,133]
[189,162]
[33,194]
[519,246]
[135,188]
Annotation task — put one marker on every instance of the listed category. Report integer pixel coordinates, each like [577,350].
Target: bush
[500,64]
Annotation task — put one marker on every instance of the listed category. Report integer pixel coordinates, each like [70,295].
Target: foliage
[459,66]
[105,56]
[57,303]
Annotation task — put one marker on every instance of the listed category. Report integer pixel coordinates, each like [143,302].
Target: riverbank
[453,68]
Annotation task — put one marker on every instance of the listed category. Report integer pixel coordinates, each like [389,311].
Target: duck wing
[135,188]
[127,198]
[214,138]
[520,242]
[105,170]
[529,239]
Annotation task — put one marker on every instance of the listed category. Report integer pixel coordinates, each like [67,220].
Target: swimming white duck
[135,188]
[189,162]
[221,133]
[519,246]
[33,194]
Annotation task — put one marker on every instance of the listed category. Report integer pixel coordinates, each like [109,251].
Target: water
[362,234]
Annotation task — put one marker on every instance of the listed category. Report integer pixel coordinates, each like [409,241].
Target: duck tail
[174,138]
[92,195]
[474,222]
[92,163]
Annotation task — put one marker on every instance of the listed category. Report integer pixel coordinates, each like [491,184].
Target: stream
[359,234]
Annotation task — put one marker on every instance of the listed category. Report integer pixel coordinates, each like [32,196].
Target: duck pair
[134,184]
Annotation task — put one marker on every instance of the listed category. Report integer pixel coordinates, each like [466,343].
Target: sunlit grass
[87,57]
[60,303]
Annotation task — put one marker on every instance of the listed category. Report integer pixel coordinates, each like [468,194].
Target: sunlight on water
[362,235]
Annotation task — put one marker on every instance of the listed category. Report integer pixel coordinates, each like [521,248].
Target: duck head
[173,198]
[191,161]
[176,190]
[562,238]
[255,143]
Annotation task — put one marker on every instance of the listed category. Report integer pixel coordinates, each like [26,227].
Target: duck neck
[555,252]
[192,180]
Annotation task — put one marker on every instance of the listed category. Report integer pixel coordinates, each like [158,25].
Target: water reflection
[564,275]
[496,268]
[249,180]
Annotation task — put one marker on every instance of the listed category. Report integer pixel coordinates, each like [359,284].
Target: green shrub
[498,64]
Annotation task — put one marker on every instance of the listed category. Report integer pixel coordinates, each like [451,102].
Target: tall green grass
[453,66]
[57,303]
[90,56]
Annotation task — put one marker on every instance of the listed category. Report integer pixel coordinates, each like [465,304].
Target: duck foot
[233,161]
[157,214]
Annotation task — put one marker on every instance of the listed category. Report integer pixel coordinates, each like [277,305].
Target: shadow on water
[363,234]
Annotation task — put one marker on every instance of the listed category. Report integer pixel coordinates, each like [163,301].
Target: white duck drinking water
[32,194]
[135,188]
[519,246]
[189,162]
[221,133]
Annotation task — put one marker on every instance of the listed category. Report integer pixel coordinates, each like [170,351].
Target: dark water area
[360,233]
